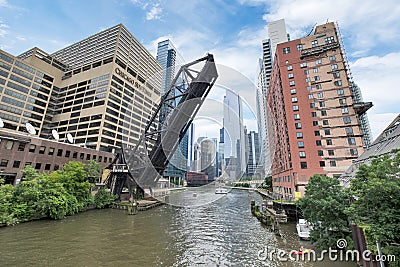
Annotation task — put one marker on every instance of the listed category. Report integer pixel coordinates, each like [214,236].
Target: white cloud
[154,12]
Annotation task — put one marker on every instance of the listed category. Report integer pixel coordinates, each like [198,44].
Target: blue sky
[231,30]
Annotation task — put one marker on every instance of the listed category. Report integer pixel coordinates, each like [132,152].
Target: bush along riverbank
[51,196]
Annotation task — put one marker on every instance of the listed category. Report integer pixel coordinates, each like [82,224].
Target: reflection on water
[222,233]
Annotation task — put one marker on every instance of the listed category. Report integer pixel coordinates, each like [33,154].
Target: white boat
[221,190]
[303,229]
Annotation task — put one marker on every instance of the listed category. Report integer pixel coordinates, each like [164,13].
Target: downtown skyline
[232,32]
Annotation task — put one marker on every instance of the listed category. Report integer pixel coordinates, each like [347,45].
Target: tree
[323,207]
[376,205]
[103,199]
[6,200]
[93,171]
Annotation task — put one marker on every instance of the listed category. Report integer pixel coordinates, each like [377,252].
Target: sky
[231,30]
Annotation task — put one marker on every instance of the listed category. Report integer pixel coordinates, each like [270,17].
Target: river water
[221,233]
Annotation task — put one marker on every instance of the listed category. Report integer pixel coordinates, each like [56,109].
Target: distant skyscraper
[170,60]
[276,34]
[234,129]
[253,153]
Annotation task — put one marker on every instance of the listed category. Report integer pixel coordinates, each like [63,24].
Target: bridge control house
[101,90]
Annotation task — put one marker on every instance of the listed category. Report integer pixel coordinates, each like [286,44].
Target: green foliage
[93,170]
[55,195]
[103,199]
[323,207]
[377,204]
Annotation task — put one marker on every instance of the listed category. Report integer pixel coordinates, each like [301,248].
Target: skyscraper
[234,138]
[253,154]
[314,121]
[276,34]
[101,90]
[170,60]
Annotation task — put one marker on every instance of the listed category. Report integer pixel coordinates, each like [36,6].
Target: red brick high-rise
[313,111]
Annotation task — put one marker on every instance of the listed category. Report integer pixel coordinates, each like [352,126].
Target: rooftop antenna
[311,30]
[70,138]
[1,123]
[55,135]
[30,129]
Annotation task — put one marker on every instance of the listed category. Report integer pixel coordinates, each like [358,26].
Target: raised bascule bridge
[139,167]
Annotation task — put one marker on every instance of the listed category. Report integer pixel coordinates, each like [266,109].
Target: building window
[327,132]
[312,105]
[294,99]
[302,154]
[338,83]
[21,147]
[293,91]
[325,122]
[289,67]
[349,131]
[67,153]
[75,155]
[297,116]
[306,72]
[321,104]
[336,75]
[316,78]
[4,163]
[334,66]
[299,134]
[299,47]
[28,164]
[318,142]
[345,110]
[82,156]
[310,96]
[16,164]
[56,167]
[329,142]
[340,92]
[320,95]
[315,70]
[300,144]
[9,145]
[331,152]
[290,75]
[295,108]
[317,133]
[308,80]
[314,114]
[286,50]
[303,165]
[32,148]
[353,151]
[314,43]
[351,140]
[315,123]
[332,163]
[329,39]
[342,101]
[318,86]
[298,125]
[303,65]
[332,58]
[320,153]
[42,149]
[318,62]
[38,166]
[323,113]
[47,167]
[291,83]
[59,152]
[322,163]
[51,151]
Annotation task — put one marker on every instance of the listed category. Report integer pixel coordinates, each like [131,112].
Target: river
[221,233]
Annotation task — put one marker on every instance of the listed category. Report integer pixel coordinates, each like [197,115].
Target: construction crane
[142,165]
